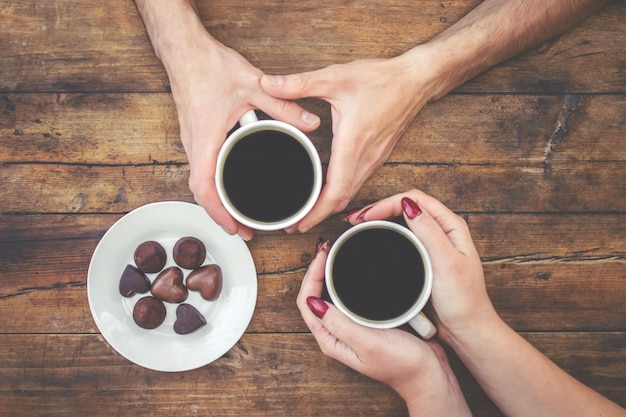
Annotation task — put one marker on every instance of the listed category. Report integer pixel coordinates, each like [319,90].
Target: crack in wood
[571,104]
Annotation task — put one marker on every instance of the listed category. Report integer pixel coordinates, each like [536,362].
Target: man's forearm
[170,24]
[497,30]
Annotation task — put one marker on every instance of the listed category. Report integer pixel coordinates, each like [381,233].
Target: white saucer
[162,349]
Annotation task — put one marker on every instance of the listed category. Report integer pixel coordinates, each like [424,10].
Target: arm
[497,30]
[374,101]
[520,380]
[212,86]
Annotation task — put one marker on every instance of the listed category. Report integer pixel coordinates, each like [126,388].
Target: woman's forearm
[521,381]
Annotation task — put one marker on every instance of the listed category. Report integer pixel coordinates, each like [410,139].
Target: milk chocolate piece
[188,319]
[207,280]
[168,286]
[189,253]
[133,281]
[149,312]
[150,257]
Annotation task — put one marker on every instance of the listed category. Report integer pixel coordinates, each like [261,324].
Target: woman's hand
[419,371]
[459,297]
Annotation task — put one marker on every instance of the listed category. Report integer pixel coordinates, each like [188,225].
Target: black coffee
[268,176]
[378,274]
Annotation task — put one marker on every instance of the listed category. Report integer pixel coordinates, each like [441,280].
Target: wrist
[173,26]
[476,336]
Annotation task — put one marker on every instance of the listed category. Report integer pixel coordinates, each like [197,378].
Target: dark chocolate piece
[149,312]
[207,280]
[150,257]
[133,281]
[168,286]
[188,319]
[189,253]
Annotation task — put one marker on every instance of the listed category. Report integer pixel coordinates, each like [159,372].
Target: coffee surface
[268,176]
[378,274]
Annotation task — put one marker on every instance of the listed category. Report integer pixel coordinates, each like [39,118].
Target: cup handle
[423,326]
[248,117]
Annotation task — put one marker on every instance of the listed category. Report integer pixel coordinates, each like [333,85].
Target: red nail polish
[317,306]
[347,216]
[323,247]
[360,216]
[318,244]
[410,208]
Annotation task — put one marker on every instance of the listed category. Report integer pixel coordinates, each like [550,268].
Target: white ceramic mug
[251,125]
[413,315]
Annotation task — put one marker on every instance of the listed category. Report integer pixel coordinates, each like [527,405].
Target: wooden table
[532,153]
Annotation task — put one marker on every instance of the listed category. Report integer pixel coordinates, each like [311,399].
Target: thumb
[338,336]
[294,86]
[427,229]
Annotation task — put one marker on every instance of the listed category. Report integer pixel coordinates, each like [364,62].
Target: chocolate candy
[133,281]
[150,257]
[168,286]
[188,319]
[189,253]
[207,280]
[149,312]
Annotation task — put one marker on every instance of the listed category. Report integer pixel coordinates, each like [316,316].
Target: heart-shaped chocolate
[207,280]
[133,281]
[188,319]
[168,286]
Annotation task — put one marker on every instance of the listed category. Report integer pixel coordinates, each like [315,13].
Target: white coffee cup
[297,201]
[389,235]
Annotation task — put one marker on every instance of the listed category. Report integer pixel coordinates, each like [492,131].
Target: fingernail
[317,306]
[363,213]
[410,208]
[310,118]
[323,247]
[274,80]
[347,216]
[291,229]
[318,243]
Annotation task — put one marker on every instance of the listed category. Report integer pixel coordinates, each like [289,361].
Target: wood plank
[551,187]
[562,272]
[68,374]
[72,46]
[121,129]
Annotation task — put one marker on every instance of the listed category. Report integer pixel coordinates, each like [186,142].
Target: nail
[363,213]
[322,247]
[410,208]
[347,216]
[310,118]
[274,80]
[318,243]
[317,306]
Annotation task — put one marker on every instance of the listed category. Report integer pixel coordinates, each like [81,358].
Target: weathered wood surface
[86,46]
[532,153]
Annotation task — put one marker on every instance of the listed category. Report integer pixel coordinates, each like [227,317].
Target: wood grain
[531,153]
[69,46]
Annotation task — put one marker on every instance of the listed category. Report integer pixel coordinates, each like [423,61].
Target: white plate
[162,349]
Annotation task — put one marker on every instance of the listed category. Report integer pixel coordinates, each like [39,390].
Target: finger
[342,183]
[294,86]
[313,281]
[202,185]
[289,112]
[441,230]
